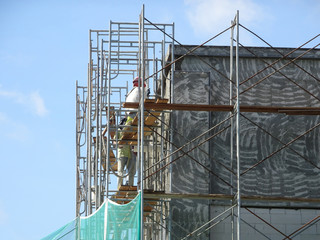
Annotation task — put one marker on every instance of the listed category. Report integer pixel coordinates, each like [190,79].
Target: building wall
[187,174]
[291,172]
[287,221]
[287,173]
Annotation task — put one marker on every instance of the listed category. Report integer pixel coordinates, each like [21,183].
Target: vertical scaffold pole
[99,132]
[171,127]
[238,131]
[231,122]
[96,118]
[141,88]
[89,109]
[109,105]
[77,153]
[97,143]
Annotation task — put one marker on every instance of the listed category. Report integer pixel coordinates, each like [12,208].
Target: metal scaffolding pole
[97,143]
[238,130]
[88,209]
[171,127]
[231,121]
[78,202]
[108,112]
[141,90]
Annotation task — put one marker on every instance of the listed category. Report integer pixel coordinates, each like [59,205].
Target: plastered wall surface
[293,171]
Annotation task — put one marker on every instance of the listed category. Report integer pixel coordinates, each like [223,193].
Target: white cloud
[38,104]
[10,94]
[9,126]
[210,17]
[32,101]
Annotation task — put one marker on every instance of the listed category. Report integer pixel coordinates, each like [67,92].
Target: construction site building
[227,142]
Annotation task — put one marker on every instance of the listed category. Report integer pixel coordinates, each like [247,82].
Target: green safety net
[110,221]
[66,232]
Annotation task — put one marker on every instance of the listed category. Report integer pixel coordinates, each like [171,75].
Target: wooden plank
[127,193]
[111,157]
[135,121]
[152,195]
[160,195]
[186,107]
[113,162]
[127,133]
[149,100]
[128,188]
[147,132]
[130,131]
[159,100]
[151,119]
[227,108]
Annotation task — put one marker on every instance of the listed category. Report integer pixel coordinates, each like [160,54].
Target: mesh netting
[123,221]
[92,227]
[66,232]
[110,221]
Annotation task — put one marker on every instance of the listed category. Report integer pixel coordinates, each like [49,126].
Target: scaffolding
[116,57]
[147,50]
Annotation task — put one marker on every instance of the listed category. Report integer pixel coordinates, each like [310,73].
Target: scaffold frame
[128,50]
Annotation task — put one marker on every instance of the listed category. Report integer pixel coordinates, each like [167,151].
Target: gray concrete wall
[187,175]
[286,173]
[287,221]
[289,173]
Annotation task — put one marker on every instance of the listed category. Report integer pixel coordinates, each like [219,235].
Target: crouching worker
[126,159]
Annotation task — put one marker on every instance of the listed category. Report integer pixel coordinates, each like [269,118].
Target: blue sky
[44,50]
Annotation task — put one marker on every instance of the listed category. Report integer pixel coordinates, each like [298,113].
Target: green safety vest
[125,150]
